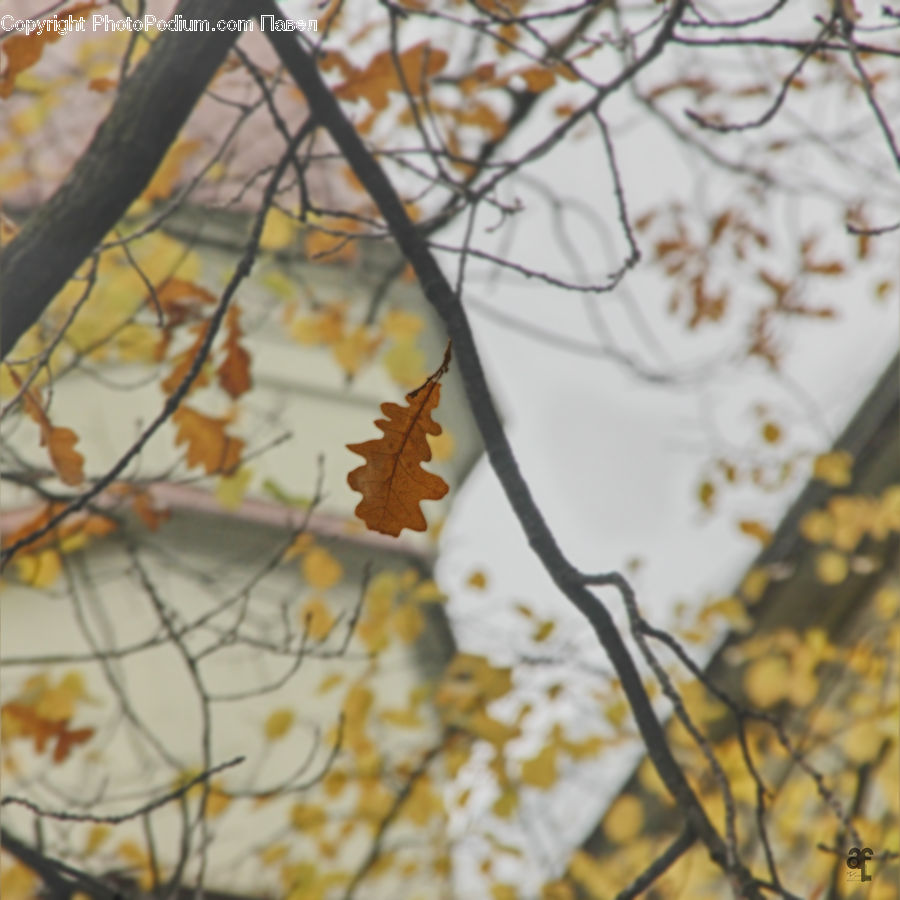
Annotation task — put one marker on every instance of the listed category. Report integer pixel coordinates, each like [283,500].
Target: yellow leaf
[39,569]
[477,580]
[57,703]
[861,742]
[405,363]
[217,801]
[423,802]
[323,328]
[615,713]
[401,325]
[586,748]
[408,622]
[307,817]
[137,343]
[354,350]
[299,546]
[767,681]
[279,230]
[817,526]
[357,705]
[624,819]
[97,836]
[427,592]
[890,506]
[329,682]
[273,854]
[138,859]
[231,488]
[755,584]
[443,446]
[706,494]
[831,567]
[321,569]
[402,718]
[334,782]
[834,468]
[169,171]
[756,530]
[490,729]
[803,688]
[506,804]
[19,883]
[540,770]
[589,873]
[475,674]
[558,889]
[317,618]
[279,723]
[887,602]
[732,610]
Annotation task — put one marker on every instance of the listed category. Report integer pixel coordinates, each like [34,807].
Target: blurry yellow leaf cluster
[392,608]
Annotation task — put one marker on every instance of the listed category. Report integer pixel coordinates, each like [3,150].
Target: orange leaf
[234,372]
[179,299]
[60,442]
[392,481]
[184,361]
[41,729]
[102,85]
[756,530]
[207,443]
[537,79]
[381,77]
[22,51]
[67,461]
[66,740]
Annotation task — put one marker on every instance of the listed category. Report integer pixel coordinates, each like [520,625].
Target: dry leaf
[279,723]
[835,468]
[207,443]
[180,299]
[756,530]
[60,442]
[624,819]
[234,372]
[317,619]
[380,77]
[392,481]
[184,361]
[321,569]
[170,169]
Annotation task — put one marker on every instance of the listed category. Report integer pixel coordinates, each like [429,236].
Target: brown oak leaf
[392,481]
[59,441]
[208,444]
[234,372]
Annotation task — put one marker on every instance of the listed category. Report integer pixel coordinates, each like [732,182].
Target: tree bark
[152,105]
